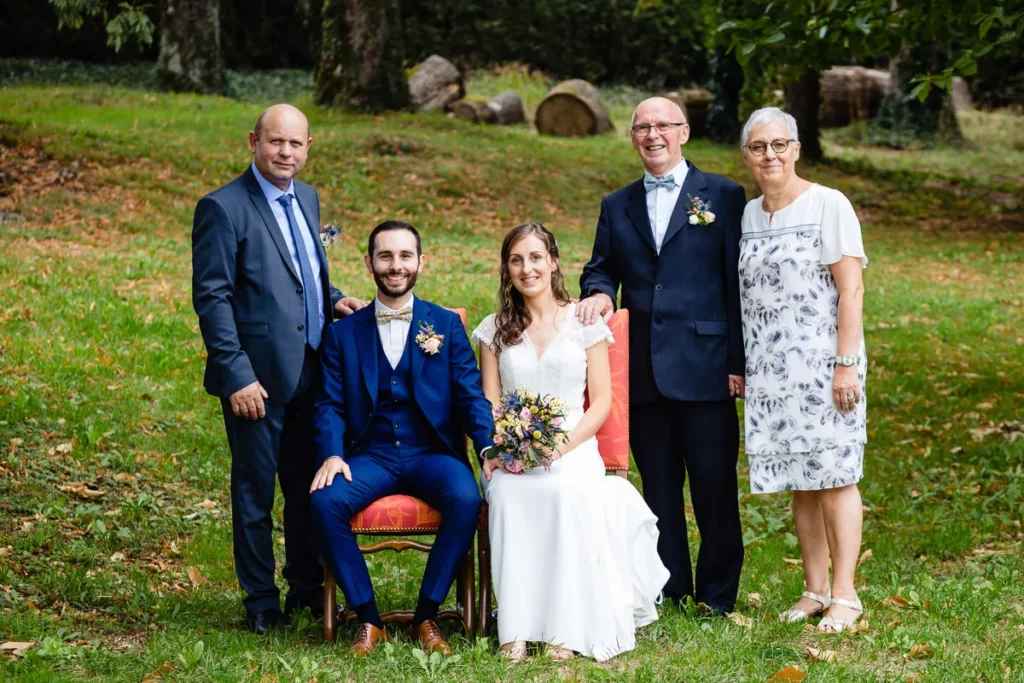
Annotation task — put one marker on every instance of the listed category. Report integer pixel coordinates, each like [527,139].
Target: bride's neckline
[554,337]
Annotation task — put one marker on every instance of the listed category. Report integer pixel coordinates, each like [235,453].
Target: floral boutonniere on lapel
[700,211]
[428,340]
[329,234]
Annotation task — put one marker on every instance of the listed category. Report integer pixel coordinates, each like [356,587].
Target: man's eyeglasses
[642,130]
[779,145]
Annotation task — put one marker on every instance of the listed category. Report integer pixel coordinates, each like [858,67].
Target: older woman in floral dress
[801,256]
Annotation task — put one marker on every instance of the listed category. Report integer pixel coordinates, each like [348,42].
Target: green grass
[100,386]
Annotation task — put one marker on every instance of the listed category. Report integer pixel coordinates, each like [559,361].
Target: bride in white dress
[574,552]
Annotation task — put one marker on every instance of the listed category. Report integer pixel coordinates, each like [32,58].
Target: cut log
[503,110]
[572,108]
[695,105]
[435,83]
[852,93]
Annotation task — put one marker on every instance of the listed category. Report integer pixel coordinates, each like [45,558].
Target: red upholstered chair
[612,442]
[396,517]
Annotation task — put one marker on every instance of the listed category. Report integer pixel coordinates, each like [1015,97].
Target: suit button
[658,288]
[658,319]
[301,328]
[394,381]
[396,426]
[299,291]
[398,443]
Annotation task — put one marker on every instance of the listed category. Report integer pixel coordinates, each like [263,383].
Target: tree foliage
[129,22]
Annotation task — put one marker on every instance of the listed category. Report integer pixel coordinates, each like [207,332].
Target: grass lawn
[115,541]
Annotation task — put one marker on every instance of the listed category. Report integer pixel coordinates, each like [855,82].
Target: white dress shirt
[394,333]
[272,193]
[661,202]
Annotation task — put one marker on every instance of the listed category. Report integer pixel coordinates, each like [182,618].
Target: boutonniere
[428,340]
[328,234]
[700,211]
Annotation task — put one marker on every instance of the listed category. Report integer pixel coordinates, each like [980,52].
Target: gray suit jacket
[246,291]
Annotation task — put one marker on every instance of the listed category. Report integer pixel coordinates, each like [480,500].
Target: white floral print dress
[796,438]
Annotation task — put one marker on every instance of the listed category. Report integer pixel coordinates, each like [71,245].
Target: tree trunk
[361,62]
[723,118]
[572,108]
[190,57]
[803,101]
[906,118]
[435,83]
[503,110]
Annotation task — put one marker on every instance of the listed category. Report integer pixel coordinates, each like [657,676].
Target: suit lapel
[259,200]
[420,315]
[636,208]
[366,346]
[692,186]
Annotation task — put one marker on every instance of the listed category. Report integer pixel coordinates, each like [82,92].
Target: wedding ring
[850,397]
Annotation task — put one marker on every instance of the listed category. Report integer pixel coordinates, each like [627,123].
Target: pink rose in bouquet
[527,428]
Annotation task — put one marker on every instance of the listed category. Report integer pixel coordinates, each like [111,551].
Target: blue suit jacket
[246,291]
[685,334]
[446,386]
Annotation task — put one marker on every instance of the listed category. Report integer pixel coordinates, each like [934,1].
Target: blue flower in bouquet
[527,428]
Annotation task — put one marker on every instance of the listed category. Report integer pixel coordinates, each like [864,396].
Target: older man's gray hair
[682,116]
[768,115]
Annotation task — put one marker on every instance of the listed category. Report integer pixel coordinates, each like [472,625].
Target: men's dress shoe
[368,637]
[429,635]
[262,622]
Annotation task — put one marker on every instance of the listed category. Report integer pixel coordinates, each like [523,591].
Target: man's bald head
[660,150]
[270,114]
[280,142]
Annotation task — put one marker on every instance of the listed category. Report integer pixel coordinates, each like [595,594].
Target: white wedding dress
[574,553]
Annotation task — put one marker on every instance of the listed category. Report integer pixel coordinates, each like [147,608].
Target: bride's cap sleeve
[595,334]
[484,332]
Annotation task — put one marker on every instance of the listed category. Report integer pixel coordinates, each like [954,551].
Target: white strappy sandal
[794,615]
[833,625]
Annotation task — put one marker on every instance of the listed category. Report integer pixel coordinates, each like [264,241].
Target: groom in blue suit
[670,243]
[401,389]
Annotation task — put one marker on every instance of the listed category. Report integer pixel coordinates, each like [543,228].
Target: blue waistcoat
[399,428]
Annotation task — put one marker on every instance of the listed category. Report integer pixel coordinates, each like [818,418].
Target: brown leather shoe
[429,634]
[368,637]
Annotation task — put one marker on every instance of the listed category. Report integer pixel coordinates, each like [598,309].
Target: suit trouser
[442,481]
[280,444]
[673,439]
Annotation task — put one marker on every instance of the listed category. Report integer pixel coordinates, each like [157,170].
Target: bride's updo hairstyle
[512,317]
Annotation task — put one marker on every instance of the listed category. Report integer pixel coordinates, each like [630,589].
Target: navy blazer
[447,386]
[685,334]
[246,291]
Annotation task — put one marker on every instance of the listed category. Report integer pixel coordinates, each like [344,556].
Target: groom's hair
[392,225]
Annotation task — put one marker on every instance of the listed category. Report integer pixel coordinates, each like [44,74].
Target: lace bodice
[560,371]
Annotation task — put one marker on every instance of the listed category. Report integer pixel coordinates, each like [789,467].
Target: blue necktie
[650,182]
[306,271]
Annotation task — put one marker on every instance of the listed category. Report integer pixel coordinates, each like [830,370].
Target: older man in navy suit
[401,392]
[260,288]
[670,243]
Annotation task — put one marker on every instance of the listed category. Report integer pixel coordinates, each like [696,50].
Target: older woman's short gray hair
[768,115]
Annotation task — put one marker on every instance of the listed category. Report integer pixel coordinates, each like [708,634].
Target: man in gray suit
[260,288]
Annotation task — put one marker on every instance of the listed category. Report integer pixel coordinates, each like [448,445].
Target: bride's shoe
[833,625]
[794,615]
[559,654]
[514,651]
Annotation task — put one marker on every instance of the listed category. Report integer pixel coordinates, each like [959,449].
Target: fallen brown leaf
[159,674]
[790,674]
[741,619]
[921,651]
[822,655]
[864,556]
[83,491]
[897,601]
[195,577]
[64,447]
[17,648]
[790,560]
[754,599]
[207,504]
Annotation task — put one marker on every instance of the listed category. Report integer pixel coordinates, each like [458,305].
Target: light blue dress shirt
[272,194]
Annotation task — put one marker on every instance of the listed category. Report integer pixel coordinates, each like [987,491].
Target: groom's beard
[394,292]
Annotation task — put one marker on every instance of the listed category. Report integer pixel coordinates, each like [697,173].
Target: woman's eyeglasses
[779,145]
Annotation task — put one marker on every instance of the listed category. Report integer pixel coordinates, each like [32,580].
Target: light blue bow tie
[651,183]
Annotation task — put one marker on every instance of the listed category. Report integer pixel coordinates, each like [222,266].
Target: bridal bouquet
[527,427]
